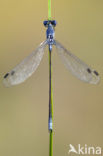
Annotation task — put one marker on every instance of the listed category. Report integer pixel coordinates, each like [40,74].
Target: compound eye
[45,23]
[53,23]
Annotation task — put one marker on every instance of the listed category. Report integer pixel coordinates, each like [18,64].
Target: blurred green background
[78,107]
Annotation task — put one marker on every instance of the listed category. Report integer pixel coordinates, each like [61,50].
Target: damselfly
[28,66]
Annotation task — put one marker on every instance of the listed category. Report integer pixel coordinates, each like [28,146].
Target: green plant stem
[51,105]
[50,91]
[51,144]
[49,9]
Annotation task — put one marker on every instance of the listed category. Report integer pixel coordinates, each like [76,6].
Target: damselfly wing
[26,68]
[77,67]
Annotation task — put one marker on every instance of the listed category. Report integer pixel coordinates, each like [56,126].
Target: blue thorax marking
[50,33]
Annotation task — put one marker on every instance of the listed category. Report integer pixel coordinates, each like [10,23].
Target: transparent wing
[77,67]
[26,68]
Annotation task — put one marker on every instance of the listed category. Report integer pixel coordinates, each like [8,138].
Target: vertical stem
[50,107]
[49,9]
[51,144]
[50,122]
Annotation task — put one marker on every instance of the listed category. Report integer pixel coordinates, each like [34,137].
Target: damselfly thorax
[50,33]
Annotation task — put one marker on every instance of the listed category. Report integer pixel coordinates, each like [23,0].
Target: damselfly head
[52,22]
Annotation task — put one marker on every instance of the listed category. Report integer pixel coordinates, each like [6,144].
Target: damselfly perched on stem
[28,66]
